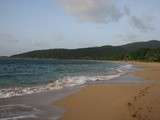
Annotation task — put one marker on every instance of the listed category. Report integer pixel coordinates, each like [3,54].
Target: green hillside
[145,51]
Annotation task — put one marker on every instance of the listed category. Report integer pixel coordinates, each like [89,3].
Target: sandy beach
[117,101]
[149,71]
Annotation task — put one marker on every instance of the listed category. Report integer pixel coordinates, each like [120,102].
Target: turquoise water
[26,76]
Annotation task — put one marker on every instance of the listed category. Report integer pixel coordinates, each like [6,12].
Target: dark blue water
[28,72]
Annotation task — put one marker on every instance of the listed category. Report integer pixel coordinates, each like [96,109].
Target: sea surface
[26,76]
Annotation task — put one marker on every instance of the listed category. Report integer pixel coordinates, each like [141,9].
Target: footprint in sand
[137,112]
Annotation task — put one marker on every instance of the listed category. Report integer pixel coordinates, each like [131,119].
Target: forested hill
[146,51]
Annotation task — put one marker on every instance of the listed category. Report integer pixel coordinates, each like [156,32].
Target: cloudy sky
[42,24]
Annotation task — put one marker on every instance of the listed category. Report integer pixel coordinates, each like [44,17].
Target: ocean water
[26,76]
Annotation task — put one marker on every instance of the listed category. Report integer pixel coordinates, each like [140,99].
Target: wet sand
[117,101]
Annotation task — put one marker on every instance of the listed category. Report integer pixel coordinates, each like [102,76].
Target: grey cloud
[142,24]
[98,11]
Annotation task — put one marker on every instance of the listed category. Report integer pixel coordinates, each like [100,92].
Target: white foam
[19,91]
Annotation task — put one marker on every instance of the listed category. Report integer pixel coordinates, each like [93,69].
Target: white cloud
[105,11]
[99,11]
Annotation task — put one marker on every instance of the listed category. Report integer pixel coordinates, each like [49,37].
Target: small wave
[17,111]
[124,68]
[68,81]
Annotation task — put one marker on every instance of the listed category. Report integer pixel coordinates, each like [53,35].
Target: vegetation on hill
[145,55]
[143,51]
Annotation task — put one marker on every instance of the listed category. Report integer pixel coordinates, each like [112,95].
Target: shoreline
[66,100]
[38,106]
[117,102]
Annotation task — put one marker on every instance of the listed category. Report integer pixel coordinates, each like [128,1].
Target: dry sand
[117,101]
